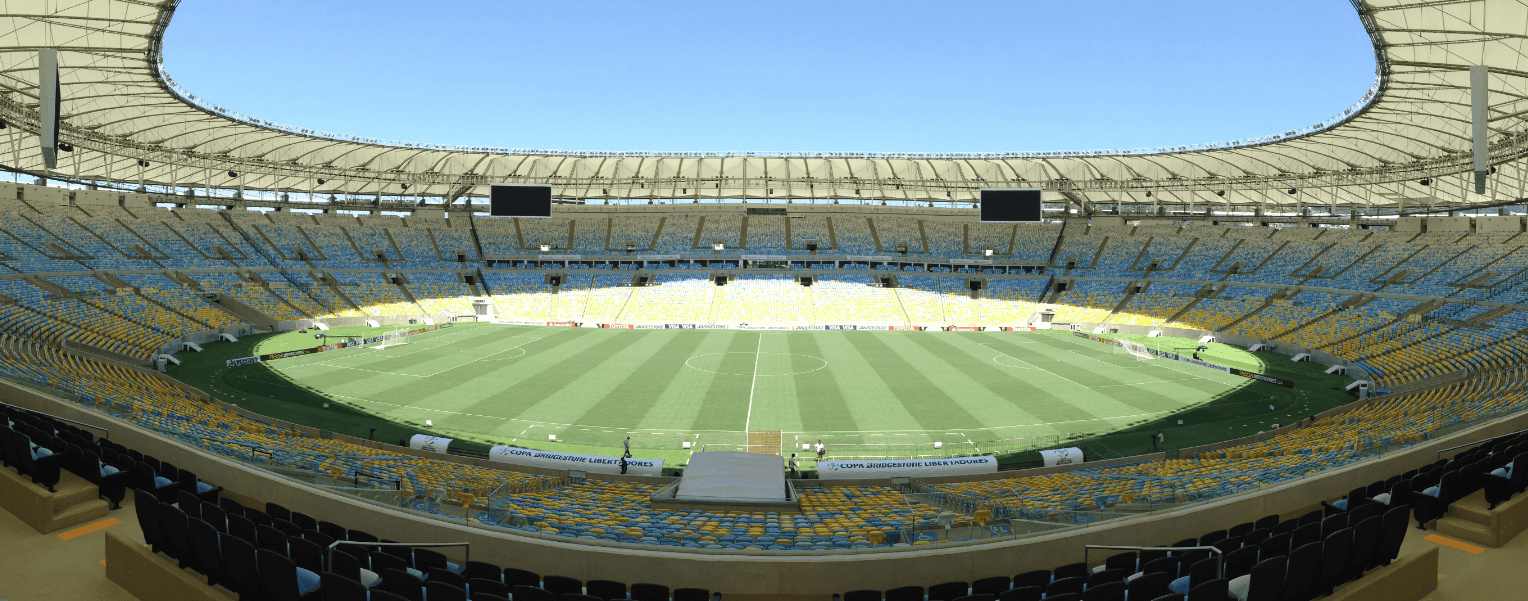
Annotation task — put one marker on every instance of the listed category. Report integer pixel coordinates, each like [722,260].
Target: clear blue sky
[887,76]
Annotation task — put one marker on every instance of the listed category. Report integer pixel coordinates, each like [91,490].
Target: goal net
[394,338]
[1137,349]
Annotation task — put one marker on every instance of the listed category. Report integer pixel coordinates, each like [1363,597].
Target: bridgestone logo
[242,361]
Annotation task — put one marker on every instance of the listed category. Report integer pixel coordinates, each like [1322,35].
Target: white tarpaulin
[432,444]
[569,461]
[1066,456]
[732,475]
[956,466]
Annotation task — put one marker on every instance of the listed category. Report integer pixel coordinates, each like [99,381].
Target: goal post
[1138,350]
[396,337]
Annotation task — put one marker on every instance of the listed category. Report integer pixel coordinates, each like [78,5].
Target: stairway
[76,501]
[717,298]
[1469,519]
[808,305]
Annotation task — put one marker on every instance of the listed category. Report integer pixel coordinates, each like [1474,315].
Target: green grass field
[862,393]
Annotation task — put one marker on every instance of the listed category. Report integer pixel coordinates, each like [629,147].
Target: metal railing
[1471,444]
[1220,562]
[62,419]
[329,551]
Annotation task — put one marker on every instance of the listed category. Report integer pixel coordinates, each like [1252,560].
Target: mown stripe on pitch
[461,389]
[927,403]
[868,397]
[639,392]
[1034,403]
[679,404]
[820,404]
[1140,398]
[725,403]
[530,398]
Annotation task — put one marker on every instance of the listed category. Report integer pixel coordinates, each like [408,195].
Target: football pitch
[865,394]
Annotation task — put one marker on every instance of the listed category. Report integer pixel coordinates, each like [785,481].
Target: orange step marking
[1449,542]
[83,530]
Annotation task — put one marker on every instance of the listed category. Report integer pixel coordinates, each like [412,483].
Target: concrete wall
[1494,225]
[778,573]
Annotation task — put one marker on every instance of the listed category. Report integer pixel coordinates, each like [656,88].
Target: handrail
[1220,562]
[62,419]
[1471,444]
[356,479]
[329,555]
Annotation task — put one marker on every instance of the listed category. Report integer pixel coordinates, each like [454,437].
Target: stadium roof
[121,107]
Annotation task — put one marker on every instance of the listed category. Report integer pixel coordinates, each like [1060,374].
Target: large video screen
[1010,205]
[520,200]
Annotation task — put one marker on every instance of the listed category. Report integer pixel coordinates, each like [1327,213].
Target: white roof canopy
[120,108]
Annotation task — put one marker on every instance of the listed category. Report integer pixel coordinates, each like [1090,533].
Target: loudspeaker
[50,102]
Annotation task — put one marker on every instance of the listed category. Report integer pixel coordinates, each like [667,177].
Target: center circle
[743,363]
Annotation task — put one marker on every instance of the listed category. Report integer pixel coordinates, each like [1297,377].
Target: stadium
[246,360]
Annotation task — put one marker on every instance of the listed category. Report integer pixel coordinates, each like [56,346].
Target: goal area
[1137,350]
[399,337]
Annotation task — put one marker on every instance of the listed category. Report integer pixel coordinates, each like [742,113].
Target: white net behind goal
[1137,349]
[392,339]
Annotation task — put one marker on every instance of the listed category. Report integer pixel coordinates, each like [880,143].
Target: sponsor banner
[679,326]
[431,444]
[1257,376]
[878,328]
[906,328]
[964,329]
[242,361]
[845,327]
[744,326]
[1066,456]
[650,326]
[806,328]
[275,356]
[710,327]
[955,466]
[516,322]
[765,258]
[617,326]
[569,461]
[562,324]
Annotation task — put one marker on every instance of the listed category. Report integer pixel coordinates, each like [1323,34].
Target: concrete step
[1465,530]
[1472,508]
[73,490]
[80,513]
